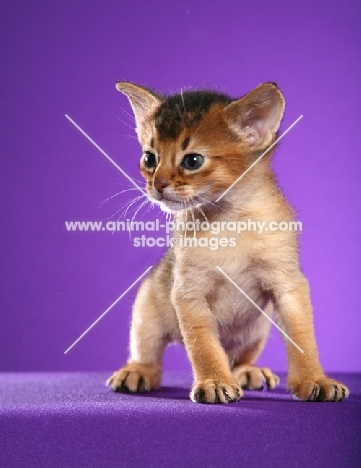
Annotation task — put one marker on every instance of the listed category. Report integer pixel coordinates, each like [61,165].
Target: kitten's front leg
[143,371]
[214,382]
[306,379]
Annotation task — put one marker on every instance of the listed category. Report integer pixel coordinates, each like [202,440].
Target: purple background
[64,57]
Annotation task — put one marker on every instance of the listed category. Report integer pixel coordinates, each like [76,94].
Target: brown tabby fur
[186,298]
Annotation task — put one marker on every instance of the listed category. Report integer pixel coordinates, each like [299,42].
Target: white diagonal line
[105,154]
[259,158]
[108,309]
[262,311]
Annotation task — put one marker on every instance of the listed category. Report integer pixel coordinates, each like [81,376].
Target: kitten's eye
[149,160]
[192,161]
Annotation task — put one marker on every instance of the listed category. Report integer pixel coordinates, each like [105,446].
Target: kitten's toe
[255,378]
[135,378]
[216,391]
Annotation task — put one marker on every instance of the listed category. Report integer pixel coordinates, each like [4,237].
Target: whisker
[185,216]
[115,195]
[124,205]
[131,204]
[194,223]
[140,182]
[213,204]
[205,217]
[135,214]
[125,184]
[150,205]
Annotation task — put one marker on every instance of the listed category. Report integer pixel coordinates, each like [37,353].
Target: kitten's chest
[225,277]
[229,282]
[213,263]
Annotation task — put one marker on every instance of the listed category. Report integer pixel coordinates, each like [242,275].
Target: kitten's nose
[160,185]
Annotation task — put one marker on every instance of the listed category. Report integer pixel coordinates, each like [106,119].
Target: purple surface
[64,57]
[72,420]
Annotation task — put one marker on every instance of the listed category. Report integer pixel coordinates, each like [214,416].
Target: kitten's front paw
[323,389]
[135,378]
[216,391]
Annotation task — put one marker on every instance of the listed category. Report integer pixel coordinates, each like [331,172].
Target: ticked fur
[186,298]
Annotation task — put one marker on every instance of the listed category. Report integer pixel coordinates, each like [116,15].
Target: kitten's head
[197,143]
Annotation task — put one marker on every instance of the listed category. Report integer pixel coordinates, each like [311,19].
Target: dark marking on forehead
[178,112]
[152,143]
[185,143]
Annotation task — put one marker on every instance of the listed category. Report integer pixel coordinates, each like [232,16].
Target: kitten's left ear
[257,116]
[142,100]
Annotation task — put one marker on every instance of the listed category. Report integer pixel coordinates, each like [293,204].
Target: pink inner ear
[262,123]
[251,134]
[256,116]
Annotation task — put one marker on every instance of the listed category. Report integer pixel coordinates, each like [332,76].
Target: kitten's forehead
[184,111]
[181,142]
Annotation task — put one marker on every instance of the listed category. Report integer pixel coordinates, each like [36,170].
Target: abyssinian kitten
[195,145]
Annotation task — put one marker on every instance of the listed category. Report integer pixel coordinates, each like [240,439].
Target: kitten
[195,145]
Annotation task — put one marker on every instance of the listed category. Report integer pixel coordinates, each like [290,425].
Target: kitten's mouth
[170,204]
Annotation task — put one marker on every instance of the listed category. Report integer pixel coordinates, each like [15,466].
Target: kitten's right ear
[142,100]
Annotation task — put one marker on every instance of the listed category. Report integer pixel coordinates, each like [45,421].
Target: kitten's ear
[142,100]
[257,115]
